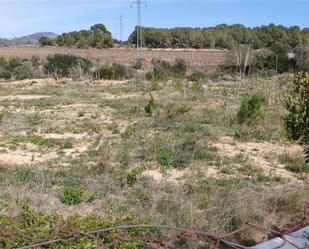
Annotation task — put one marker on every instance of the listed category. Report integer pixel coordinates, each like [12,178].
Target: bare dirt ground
[261,154]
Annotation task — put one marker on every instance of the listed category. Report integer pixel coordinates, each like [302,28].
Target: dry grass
[183,165]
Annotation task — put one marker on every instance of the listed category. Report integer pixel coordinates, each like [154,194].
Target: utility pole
[139,42]
[121,29]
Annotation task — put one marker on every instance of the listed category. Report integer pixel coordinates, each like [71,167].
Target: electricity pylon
[139,42]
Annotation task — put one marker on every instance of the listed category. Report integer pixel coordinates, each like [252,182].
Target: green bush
[179,155]
[97,37]
[23,72]
[45,41]
[5,74]
[60,65]
[250,105]
[180,68]
[273,62]
[302,58]
[1,117]
[196,77]
[164,156]
[16,67]
[150,105]
[163,70]
[115,72]
[129,178]
[297,104]
[72,195]
[13,63]
[35,61]
[37,226]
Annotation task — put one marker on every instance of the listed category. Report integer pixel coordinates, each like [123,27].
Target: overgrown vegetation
[114,72]
[60,65]
[71,195]
[275,37]
[165,147]
[163,70]
[249,107]
[17,68]
[97,37]
[297,122]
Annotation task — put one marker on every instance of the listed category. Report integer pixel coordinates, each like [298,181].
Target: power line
[139,43]
[121,28]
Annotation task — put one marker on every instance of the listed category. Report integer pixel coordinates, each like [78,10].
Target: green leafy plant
[163,70]
[297,104]
[35,61]
[196,77]
[60,65]
[150,105]
[129,178]
[23,72]
[72,195]
[173,112]
[45,41]
[249,107]
[297,121]
[114,72]
[5,74]
[81,114]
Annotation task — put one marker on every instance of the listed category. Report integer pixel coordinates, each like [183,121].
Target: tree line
[96,37]
[276,37]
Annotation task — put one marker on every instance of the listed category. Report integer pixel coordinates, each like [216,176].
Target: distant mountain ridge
[28,39]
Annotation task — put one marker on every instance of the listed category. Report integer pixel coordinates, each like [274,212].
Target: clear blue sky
[23,17]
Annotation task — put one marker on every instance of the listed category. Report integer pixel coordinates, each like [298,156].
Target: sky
[24,17]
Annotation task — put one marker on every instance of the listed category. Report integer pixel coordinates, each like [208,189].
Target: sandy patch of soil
[24,97]
[63,136]
[262,154]
[172,175]
[110,82]
[20,157]
[30,82]
[109,96]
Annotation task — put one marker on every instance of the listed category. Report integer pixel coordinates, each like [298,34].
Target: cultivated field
[195,58]
[89,148]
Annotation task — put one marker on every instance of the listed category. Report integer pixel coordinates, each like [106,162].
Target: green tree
[98,37]
[99,28]
[45,41]
[297,104]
